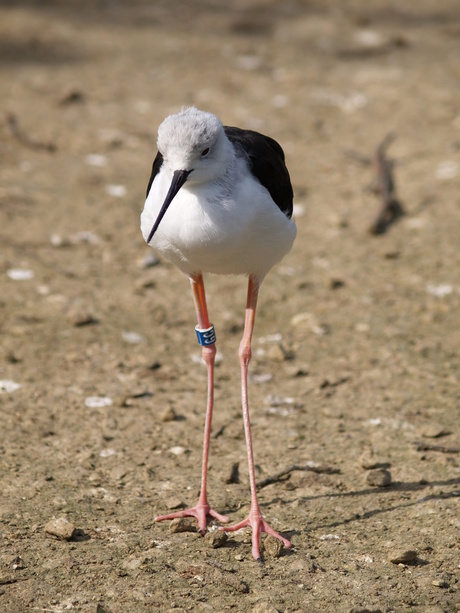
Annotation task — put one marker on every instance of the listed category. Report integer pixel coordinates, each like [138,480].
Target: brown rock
[403,556]
[216,538]
[182,524]
[273,547]
[60,528]
[379,478]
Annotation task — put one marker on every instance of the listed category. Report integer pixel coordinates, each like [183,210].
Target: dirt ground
[356,350]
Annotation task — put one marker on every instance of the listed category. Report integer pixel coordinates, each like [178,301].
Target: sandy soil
[356,350]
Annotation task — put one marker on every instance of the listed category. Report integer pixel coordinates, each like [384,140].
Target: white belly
[206,229]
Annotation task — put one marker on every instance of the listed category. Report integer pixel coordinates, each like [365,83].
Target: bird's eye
[205,152]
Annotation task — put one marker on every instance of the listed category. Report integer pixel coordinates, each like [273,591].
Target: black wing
[266,162]
[157,164]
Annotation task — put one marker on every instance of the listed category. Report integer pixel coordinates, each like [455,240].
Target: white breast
[230,227]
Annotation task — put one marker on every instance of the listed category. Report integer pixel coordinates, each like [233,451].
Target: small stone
[145,282]
[133,563]
[273,547]
[336,283]
[20,274]
[79,315]
[379,478]
[175,503]
[118,472]
[239,557]
[177,450]
[182,524]
[216,538]
[71,96]
[7,386]
[402,556]
[17,563]
[440,582]
[168,414]
[275,353]
[149,260]
[61,528]
[434,431]
[264,607]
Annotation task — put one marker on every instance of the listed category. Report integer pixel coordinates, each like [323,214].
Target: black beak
[178,180]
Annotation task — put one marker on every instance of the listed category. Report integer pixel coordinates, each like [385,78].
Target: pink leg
[202,508]
[255,519]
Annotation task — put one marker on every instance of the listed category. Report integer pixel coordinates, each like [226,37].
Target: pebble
[275,353]
[177,450]
[133,563]
[79,315]
[336,283]
[147,281]
[96,159]
[118,472]
[182,524]
[440,582]
[174,503]
[273,547]
[168,414]
[97,402]
[117,191]
[149,260]
[71,96]
[61,528]
[84,236]
[216,538]
[379,478]
[434,431]
[17,563]
[7,386]
[264,607]
[402,556]
[20,274]
[132,338]
[308,322]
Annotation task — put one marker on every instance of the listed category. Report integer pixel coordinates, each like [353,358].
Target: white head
[195,148]
[194,141]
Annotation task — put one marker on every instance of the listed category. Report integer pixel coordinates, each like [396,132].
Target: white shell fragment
[133,338]
[96,159]
[7,387]
[98,402]
[117,191]
[20,274]
[448,169]
[441,290]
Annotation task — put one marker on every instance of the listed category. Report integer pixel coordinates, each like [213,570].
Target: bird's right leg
[205,333]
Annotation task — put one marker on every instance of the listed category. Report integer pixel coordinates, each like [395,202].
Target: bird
[220,201]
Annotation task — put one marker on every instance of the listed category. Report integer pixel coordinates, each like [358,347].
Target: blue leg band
[206,337]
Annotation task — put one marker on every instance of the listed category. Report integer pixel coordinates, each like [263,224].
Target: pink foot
[258,525]
[201,511]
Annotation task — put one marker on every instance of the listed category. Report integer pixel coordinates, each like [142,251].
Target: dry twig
[421,446]
[391,208]
[23,138]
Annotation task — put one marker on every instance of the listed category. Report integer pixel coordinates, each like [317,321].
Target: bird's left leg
[255,519]
[202,508]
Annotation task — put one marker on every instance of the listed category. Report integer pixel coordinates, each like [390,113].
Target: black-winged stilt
[219,200]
